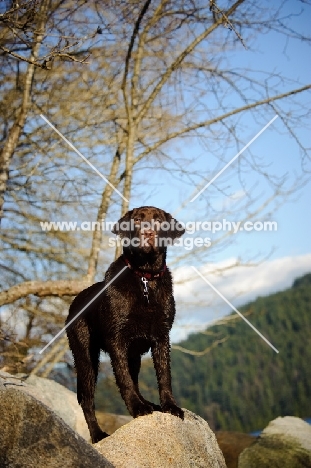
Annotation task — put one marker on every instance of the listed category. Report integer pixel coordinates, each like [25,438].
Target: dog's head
[148,228]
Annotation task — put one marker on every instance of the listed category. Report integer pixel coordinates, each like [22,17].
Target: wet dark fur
[122,323]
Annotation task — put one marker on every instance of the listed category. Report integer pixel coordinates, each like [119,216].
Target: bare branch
[207,123]
[23,58]
[132,41]
[216,10]
[60,345]
[43,289]
[198,353]
[178,61]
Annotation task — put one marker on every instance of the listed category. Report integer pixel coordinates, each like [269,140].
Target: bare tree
[26,27]
[159,78]
[15,131]
[20,32]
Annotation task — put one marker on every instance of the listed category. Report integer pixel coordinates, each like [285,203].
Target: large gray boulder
[161,440]
[284,443]
[32,436]
[58,398]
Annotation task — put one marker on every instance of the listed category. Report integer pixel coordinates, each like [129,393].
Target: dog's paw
[156,407]
[141,409]
[173,409]
[98,435]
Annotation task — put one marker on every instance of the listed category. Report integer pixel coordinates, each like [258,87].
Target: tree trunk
[19,123]
[97,235]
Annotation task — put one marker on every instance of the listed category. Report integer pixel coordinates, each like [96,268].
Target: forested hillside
[241,384]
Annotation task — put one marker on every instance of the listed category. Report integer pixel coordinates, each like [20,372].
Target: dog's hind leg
[85,349]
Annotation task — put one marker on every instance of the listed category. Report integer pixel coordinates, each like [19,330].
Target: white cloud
[198,305]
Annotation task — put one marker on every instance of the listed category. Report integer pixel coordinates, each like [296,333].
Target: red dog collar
[144,274]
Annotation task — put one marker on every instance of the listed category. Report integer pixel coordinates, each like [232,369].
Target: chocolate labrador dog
[126,315]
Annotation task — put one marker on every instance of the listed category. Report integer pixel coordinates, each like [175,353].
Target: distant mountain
[240,384]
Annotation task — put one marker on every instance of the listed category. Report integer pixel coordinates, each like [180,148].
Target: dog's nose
[149,233]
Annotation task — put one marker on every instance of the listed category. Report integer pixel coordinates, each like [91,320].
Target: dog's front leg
[161,360]
[119,361]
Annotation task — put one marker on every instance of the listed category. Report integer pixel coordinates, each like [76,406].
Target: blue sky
[289,248]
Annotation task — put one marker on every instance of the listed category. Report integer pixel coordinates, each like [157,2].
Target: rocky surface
[58,398]
[161,440]
[34,432]
[284,443]
[32,436]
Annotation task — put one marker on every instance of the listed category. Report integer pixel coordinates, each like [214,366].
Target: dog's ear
[123,226]
[175,230]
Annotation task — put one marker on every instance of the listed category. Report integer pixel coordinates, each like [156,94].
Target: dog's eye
[137,220]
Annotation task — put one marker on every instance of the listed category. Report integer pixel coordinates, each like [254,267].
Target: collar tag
[145,281]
